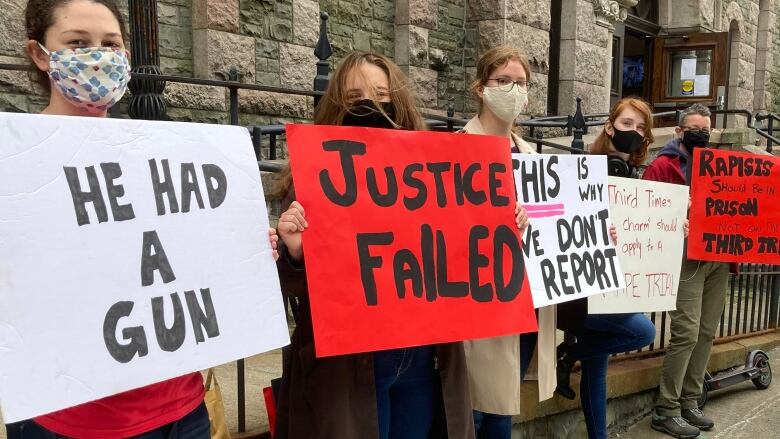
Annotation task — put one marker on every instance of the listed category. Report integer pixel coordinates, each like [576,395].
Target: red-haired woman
[626,136]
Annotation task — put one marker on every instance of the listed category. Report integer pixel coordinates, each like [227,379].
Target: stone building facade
[570,45]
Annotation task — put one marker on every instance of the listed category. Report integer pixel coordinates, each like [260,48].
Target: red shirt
[130,413]
[665,169]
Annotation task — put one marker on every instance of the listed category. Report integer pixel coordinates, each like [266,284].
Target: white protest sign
[569,252]
[649,218]
[132,252]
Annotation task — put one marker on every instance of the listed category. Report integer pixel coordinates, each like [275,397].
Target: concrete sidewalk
[739,412]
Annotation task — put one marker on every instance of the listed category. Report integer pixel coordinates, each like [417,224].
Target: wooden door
[688,69]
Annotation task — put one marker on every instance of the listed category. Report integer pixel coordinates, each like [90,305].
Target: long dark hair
[39,17]
[335,103]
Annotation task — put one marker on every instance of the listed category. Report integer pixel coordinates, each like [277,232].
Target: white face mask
[507,105]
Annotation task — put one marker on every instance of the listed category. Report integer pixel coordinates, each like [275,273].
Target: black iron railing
[768,133]
[751,306]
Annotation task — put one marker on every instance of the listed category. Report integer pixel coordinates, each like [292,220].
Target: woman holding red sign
[399,393]
[496,366]
[409,393]
[626,136]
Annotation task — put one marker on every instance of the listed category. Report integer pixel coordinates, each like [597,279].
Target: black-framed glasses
[506,85]
[697,130]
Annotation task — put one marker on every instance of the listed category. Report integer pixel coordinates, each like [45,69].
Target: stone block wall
[525,25]
[772,78]
[203,38]
[450,53]
[17,93]
[360,25]
[437,42]
[175,24]
[741,15]
[585,58]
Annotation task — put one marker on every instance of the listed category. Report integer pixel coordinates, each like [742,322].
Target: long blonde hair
[335,103]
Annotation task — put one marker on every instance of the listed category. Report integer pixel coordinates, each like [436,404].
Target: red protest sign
[411,237]
[734,212]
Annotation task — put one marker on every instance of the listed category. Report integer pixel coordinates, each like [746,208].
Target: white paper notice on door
[701,87]
[688,68]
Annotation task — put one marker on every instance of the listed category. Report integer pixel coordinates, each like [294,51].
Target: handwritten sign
[734,212]
[133,252]
[567,245]
[411,237]
[649,218]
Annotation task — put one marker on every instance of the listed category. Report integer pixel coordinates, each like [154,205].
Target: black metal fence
[751,307]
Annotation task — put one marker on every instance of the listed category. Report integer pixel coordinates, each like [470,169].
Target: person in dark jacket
[626,137]
[411,393]
[700,297]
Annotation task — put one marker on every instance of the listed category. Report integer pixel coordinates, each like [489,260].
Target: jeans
[601,336]
[408,391]
[195,425]
[490,426]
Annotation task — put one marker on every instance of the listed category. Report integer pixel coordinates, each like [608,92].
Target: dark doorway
[632,52]
[637,65]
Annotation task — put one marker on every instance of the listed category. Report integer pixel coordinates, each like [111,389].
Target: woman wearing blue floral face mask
[78,49]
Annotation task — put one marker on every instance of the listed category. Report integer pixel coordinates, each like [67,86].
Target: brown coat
[335,397]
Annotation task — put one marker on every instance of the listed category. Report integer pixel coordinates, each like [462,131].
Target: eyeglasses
[697,130]
[506,85]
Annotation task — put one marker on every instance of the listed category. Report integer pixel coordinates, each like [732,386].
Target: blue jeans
[601,336]
[195,425]
[408,391]
[490,426]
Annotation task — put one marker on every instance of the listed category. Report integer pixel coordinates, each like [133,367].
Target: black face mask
[627,142]
[692,139]
[617,167]
[364,113]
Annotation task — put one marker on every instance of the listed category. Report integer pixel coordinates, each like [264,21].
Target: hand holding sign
[521,218]
[274,239]
[291,226]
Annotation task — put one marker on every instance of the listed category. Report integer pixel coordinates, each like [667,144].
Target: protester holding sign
[700,297]
[625,137]
[496,366]
[78,49]
[399,393]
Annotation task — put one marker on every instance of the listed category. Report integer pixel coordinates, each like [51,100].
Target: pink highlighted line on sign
[544,210]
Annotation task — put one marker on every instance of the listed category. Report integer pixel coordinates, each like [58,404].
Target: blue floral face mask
[93,78]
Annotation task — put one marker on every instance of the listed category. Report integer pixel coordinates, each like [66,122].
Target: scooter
[757,370]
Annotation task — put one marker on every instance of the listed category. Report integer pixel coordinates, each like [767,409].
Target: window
[689,73]
[689,68]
